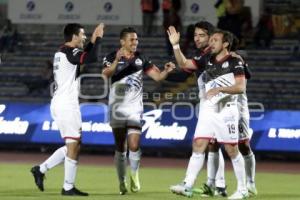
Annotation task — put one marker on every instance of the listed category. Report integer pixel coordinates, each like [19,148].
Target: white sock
[239,170]
[121,164]
[212,166]
[70,173]
[220,176]
[55,159]
[250,167]
[134,160]
[194,167]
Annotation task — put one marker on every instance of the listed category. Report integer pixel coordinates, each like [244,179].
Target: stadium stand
[275,71]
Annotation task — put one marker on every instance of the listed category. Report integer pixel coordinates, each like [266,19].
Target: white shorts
[68,120]
[244,133]
[222,126]
[125,120]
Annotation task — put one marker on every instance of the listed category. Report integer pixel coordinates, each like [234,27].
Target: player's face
[200,38]
[216,43]
[80,38]
[130,42]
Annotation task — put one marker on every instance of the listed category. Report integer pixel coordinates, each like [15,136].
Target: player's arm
[237,88]
[158,75]
[183,62]
[91,53]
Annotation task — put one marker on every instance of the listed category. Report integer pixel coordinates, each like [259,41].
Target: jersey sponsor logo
[225,65]
[138,62]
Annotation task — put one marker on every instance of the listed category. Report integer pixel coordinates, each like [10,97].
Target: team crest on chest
[225,65]
[138,62]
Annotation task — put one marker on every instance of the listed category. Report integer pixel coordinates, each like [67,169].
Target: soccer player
[224,79]
[125,67]
[65,103]
[244,142]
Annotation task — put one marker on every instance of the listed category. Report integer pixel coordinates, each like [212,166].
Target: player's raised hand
[169,66]
[98,32]
[174,36]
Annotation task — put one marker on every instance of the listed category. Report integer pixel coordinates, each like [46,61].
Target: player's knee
[200,145]
[245,148]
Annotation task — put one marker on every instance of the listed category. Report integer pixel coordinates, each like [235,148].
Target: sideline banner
[170,126]
[111,12]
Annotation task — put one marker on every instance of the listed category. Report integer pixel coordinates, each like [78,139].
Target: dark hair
[206,26]
[125,31]
[70,30]
[227,37]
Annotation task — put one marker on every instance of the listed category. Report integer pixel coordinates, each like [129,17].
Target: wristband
[176,46]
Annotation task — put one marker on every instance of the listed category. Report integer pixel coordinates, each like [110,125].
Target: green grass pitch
[16,183]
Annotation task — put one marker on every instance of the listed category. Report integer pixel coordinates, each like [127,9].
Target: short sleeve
[238,68]
[75,55]
[147,63]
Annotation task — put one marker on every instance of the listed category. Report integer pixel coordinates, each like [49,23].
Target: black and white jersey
[66,63]
[126,87]
[219,73]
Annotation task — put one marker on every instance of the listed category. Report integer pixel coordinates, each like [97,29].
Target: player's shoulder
[69,51]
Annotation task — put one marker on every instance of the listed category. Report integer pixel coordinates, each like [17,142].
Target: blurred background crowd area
[269,40]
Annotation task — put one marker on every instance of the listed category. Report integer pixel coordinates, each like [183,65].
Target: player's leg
[208,188]
[39,171]
[71,164]
[250,164]
[134,134]
[120,135]
[228,135]
[249,157]
[220,176]
[69,123]
[239,170]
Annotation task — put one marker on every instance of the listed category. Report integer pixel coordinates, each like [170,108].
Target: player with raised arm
[126,67]
[65,103]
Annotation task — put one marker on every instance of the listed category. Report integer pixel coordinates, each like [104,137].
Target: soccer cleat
[182,189]
[38,177]
[135,182]
[221,191]
[252,189]
[73,192]
[205,191]
[239,195]
[123,188]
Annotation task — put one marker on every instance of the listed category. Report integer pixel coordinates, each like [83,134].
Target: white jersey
[66,84]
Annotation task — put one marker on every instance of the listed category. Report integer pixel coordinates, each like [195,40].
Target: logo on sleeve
[225,65]
[138,62]
[75,51]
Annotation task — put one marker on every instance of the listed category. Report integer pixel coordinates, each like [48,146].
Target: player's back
[66,84]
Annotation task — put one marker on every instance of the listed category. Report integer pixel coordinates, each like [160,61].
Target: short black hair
[70,30]
[125,31]
[227,37]
[206,26]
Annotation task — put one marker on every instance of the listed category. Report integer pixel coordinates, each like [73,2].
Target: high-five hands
[174,36]
[98,32]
